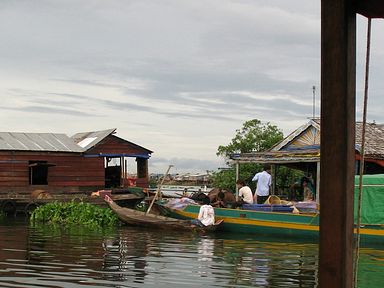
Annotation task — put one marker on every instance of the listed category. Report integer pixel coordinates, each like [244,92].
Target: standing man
[264,181]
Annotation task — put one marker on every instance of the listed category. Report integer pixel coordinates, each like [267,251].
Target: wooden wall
[72,172]
[116,145]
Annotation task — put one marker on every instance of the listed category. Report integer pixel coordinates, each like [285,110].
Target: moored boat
[300,226]
[251,221]
[143,219]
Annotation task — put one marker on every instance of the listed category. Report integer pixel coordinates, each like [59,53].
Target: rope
[362,151]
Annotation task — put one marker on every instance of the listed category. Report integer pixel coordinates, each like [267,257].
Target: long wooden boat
[139,218]
[304,226]
[300,226]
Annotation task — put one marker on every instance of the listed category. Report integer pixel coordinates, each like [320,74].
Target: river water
[54,256]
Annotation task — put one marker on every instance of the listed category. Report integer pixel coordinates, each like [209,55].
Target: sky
[177,77]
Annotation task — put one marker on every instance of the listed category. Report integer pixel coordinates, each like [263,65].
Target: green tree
[254,136]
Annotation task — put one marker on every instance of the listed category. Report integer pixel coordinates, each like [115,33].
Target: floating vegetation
[74,213]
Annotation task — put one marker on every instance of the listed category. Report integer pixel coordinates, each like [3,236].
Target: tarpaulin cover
[372,205]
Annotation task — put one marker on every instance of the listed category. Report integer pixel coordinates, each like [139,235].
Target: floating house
[301,150]
[57,163]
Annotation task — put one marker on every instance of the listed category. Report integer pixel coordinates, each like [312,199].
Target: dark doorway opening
[112,172]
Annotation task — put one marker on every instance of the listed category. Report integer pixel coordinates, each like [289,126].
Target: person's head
[267,167]
[240,183]
[206,201]
[304,181]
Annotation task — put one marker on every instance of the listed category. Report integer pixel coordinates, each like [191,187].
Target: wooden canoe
[139,218]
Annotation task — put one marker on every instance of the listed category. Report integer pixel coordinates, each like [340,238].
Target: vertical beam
[338,52]
[318,182]
[273,173]
[237,178]
[125,172]
[121,171]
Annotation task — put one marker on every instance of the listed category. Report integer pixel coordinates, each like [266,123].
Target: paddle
[158,189]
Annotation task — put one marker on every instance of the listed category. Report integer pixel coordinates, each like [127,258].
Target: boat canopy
[372,204]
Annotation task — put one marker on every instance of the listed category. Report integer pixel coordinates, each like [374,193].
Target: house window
[38,172]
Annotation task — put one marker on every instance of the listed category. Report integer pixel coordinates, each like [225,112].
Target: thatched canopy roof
[303,145]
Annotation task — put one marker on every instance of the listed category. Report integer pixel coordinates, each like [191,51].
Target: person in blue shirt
[263,183]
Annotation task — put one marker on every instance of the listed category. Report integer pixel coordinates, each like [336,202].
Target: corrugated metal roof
[38,142]
[52,142]
[87,140]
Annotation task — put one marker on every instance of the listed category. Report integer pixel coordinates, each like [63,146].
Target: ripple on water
[48,256]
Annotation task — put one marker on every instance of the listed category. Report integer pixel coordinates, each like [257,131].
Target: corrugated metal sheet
[37,142]
[87,140]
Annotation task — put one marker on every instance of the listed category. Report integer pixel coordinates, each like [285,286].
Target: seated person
[206,215]
[245,193]
[220,200]
[307,191]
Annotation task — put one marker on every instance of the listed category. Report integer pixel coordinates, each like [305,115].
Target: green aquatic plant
[74,213]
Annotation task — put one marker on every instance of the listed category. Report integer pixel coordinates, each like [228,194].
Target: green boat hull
[274,224]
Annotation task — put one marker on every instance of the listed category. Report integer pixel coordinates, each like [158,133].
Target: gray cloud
[47,110]
[156,67]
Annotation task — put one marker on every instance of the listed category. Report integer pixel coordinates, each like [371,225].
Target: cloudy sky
[177,77]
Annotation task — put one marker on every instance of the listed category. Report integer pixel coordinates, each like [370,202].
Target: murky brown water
[49,256]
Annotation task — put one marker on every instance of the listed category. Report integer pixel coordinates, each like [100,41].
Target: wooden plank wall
[72,172]
[116,145]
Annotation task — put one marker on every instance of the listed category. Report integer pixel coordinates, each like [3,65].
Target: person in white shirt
[264,181]
[206,215]
[245,193]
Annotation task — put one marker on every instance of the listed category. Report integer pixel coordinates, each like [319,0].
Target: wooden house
[301,150]
[58,164]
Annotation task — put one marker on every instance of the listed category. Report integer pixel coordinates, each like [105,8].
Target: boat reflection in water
[189,259]
[54,256]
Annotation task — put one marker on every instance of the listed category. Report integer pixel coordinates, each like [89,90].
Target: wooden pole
[237,178]
[338,72]
[158,189]
[273,173]
[318,179]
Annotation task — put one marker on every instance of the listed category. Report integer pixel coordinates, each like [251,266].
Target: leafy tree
[254,136]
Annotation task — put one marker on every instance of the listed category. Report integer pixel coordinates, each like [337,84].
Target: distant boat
[176,191]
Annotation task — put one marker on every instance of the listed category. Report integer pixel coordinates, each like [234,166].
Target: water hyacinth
[74,213]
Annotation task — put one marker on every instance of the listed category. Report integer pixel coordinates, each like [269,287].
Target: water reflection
[187,258]
[49,256]
[124,255]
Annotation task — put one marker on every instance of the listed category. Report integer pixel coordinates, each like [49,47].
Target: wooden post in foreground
[338,52]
